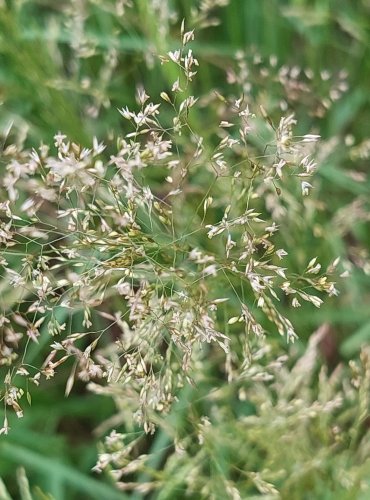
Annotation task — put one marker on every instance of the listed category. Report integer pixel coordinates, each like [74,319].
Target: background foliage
[68,66]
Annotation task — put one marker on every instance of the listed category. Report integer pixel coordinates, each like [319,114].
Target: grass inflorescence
[167,250]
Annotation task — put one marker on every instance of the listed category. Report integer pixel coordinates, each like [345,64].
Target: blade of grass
[4,494]
[24,486]
[48,466]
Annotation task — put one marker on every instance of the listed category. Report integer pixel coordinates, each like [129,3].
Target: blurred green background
[69,65]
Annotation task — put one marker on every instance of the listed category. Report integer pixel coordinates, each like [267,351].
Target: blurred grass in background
[69,65]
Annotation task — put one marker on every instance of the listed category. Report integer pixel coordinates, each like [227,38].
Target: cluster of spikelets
[154,269]
[140,263]
[161,269]
[275,431]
